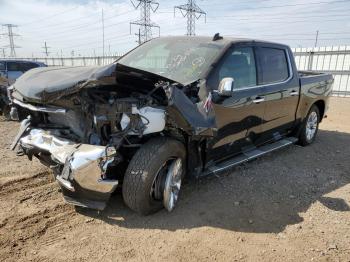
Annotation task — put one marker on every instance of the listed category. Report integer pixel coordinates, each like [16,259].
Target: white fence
[334,60]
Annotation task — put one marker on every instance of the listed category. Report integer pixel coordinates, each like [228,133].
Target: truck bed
[313,77]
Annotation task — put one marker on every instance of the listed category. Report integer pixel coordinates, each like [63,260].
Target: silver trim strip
[56,110]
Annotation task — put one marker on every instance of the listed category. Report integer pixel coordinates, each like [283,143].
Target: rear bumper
[80,168]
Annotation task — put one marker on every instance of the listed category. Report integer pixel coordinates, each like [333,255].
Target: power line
[144,23]
[247,18]
[106,18]
[193,12]
[279,22]
[83,26]
[53,15]
[308,34]
[95,42]
[288,5]
[11,36]
[61,35]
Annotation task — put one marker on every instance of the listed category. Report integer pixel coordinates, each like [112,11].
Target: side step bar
[249,155]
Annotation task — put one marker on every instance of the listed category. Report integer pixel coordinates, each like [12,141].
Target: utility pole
[316,40]
[46,48]
[3,52]
[193,12]
[11,36]
[144,23]
[138,37]
[103,35]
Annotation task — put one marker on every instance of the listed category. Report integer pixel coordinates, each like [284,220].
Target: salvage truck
[174,107]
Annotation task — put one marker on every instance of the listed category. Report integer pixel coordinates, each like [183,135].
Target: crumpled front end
[80,169]
[87,123]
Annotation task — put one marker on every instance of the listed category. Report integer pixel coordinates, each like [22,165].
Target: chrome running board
[249,155]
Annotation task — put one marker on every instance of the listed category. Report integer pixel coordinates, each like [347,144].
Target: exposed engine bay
[91,125]
[98,129]
[102,116]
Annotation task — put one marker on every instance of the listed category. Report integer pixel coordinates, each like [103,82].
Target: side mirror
[226,86]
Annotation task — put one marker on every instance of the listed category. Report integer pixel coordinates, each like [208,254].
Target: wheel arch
[321,105]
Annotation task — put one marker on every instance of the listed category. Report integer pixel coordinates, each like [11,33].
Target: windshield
[180,59]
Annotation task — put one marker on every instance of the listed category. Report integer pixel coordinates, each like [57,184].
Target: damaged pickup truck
[171,107]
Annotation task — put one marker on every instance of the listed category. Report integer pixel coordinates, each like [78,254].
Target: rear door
[280,88]
[238,118]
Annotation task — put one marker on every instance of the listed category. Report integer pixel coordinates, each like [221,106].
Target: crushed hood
[42,85]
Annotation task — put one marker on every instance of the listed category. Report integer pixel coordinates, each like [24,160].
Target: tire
[145,169]
[304,138]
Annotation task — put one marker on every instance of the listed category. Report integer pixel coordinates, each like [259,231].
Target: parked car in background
[10,70]
[172,107]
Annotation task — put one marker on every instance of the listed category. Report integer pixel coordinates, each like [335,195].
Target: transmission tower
[193,12]
[11,36]
[144,23]
[46,49]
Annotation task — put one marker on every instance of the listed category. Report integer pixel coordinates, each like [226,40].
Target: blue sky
[75,26]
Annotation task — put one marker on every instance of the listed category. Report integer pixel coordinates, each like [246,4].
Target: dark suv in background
[10,70]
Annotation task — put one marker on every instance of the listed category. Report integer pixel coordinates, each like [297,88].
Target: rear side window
[274,65]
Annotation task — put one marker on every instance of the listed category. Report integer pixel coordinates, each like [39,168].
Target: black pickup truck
[171,107]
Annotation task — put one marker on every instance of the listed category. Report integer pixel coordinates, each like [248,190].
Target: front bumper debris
[82,167]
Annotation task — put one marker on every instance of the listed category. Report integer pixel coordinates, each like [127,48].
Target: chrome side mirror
[226,86]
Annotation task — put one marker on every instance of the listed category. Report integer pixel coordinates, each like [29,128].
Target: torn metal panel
[44,85]
[46,109]
[189,116]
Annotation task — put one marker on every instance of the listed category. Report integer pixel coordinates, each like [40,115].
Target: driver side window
[238,63]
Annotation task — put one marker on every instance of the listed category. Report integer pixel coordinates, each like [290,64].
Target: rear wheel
[153,178]
[310,127]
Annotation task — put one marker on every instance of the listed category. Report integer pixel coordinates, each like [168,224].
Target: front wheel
[154,175]
[310,127]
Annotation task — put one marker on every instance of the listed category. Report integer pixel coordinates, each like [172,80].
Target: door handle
[294,93]
[259,99]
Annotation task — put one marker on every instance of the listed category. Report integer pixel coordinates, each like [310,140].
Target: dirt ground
[292,205]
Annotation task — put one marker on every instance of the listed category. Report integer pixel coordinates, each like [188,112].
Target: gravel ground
[291,205]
